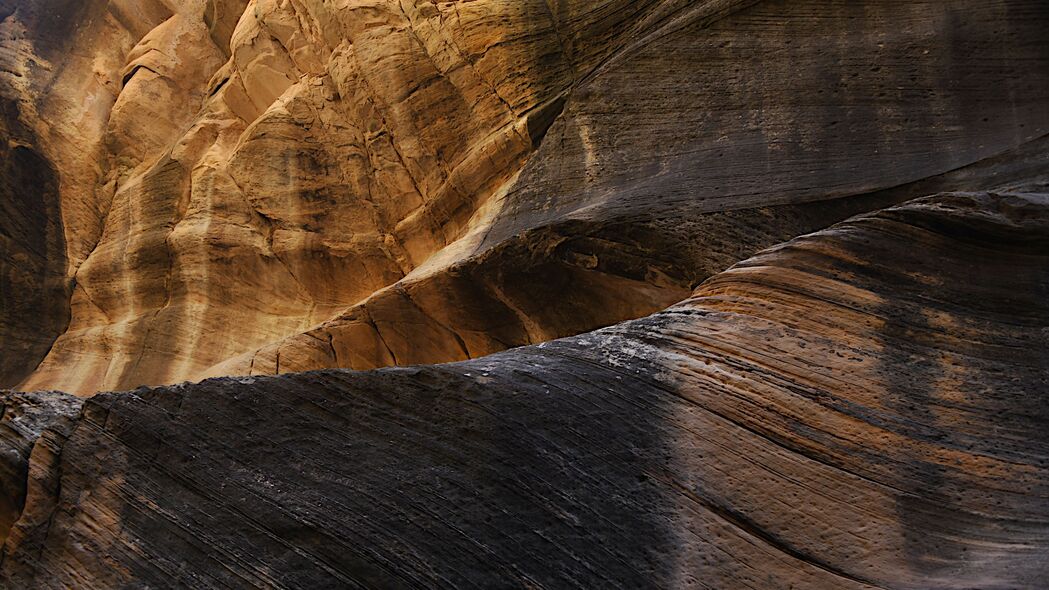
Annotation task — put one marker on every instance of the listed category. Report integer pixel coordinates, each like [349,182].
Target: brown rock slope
[864,407]
[245,187]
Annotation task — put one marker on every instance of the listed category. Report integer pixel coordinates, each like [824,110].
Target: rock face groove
[863,407]
[234,187]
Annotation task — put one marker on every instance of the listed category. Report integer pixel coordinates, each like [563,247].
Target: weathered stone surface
[236,187]
[864,407]
[24,418]
[195,188]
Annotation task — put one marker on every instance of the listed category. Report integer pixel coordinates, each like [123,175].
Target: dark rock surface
[786,102]
[34,291]
[24,418]
[864,407]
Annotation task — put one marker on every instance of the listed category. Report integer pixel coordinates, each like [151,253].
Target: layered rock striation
[859,408]
[234,187]
[280,193]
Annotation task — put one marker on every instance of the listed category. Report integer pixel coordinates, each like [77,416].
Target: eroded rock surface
[258,187]
[864,407]
[195,188]
[30,424]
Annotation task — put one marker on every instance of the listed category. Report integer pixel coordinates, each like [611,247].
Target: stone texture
[24,418]
[863,407]
[251,189]
[237,187]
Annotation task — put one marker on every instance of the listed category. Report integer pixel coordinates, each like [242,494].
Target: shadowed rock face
[237,188]
[861,407]
[33,283]
[24,417]
[250,189]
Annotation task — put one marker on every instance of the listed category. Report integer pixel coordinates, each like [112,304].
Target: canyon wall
[761,290]
[226,187]
[863,407]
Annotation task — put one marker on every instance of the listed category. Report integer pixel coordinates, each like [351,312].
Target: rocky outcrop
[238,187]
[31,424]
[863,407]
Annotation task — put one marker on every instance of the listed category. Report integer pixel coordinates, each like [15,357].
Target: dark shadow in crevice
[34,293]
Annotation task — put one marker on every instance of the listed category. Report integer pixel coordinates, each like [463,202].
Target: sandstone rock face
[863,407]
[219,187]
[274,192]
[24,418]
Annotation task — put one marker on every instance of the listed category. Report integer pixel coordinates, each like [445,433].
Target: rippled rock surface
[198,188]
[732,294]
[861,407]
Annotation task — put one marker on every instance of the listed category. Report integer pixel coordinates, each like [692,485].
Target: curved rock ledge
[864,407]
